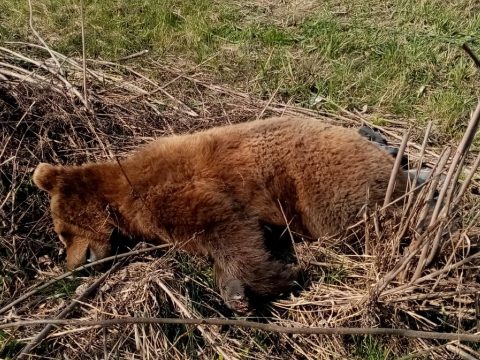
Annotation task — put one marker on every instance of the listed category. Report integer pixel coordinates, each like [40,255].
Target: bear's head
[79,210]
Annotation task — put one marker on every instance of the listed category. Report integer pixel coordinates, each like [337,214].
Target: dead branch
[84,62]
[396,167]
[471,54]
[37,35]
[254,325]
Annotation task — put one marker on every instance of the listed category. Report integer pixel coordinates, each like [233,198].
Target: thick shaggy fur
[210,192]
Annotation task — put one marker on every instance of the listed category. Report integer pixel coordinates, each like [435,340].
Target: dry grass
[369,278]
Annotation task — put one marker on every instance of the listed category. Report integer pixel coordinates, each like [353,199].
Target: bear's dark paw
[239,305]
[234,297]
[289,275]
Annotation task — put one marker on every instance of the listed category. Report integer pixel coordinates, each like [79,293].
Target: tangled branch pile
[400,268]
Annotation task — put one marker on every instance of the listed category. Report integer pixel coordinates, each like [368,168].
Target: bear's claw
[238,304]
[234,297]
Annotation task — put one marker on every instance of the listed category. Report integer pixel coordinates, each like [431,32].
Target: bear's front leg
[232,292]
[243,262]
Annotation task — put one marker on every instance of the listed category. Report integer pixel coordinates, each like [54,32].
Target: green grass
[335,276]
[63,288]
[9,347]
[369,348]
[399,57]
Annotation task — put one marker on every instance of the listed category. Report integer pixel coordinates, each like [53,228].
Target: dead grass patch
[368,279]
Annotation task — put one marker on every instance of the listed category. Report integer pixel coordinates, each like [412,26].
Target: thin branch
[59,55]
[445,211]
[437,171]
[459,154]
[405,221]
[84,62]
[254,325]
[397,200]
[460,353]
[422,151]
[471,54]
[267,104]
[30,22]
[477,310]
[452,176]
[432,275]
[426,209]
[30,77]
[287,224]
[132,56]
[467,181]
[67,84]
[396,167]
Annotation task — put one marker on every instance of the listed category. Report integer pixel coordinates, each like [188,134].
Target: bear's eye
[64,237]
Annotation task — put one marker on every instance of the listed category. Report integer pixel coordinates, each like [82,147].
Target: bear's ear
[45,176]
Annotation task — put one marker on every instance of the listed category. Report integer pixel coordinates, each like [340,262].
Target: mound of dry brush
[398,268]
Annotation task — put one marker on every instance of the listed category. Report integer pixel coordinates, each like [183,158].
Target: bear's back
[324,173]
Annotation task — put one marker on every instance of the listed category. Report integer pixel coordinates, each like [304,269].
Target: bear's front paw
[234,296]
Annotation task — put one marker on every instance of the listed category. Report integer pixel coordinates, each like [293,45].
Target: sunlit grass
[396,57]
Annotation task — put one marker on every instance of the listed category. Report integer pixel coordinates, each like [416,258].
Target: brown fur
[210,191]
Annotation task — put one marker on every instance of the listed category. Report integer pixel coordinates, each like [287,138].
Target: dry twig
[255,325]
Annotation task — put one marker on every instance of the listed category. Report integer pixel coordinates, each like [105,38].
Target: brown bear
[209,192]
